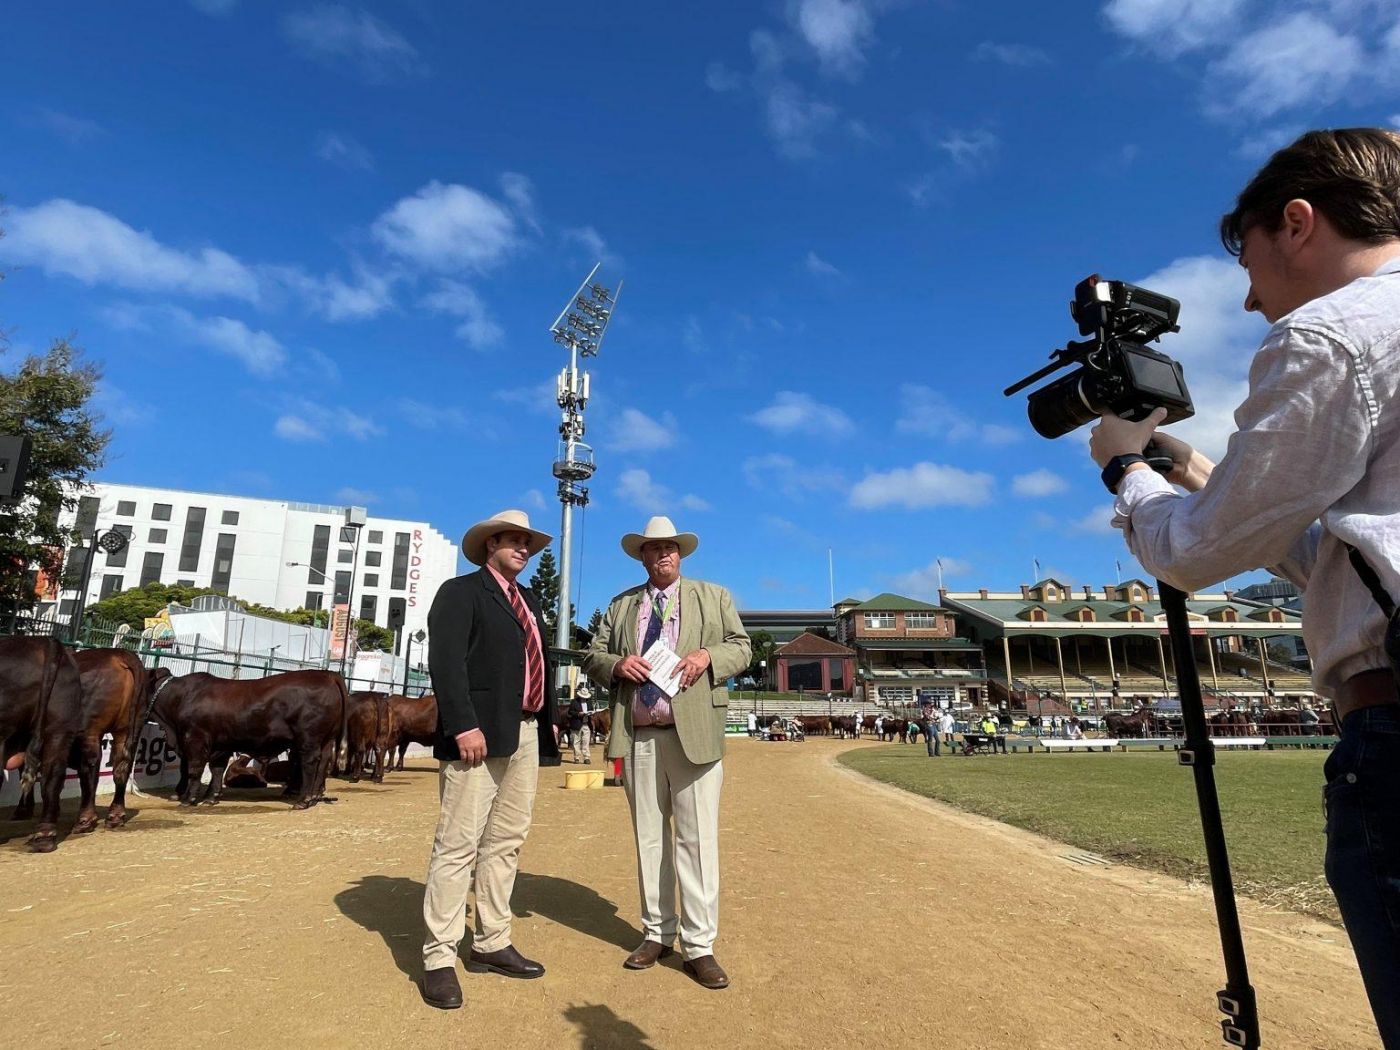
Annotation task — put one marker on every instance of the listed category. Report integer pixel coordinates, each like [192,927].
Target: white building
[277,553]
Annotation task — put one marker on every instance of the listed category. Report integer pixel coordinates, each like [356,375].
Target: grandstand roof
[1012,614]
[947,644]
[894,603]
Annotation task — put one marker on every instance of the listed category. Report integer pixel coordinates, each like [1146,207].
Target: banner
[159,632]
[340,623]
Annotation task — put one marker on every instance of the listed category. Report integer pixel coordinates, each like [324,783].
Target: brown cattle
[209,718]
[366,734]
[415,722]
[40,717]
[115,690]
[602,724]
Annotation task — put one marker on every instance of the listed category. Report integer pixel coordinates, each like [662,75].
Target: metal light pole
[416,636]
[110,541]
[579,328]
[355,518]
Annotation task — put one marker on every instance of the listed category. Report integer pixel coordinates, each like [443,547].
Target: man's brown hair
[1350,175]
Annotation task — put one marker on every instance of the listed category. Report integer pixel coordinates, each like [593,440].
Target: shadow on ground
[580,908]
[601,1029]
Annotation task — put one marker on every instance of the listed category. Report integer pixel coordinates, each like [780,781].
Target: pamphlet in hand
[665,667]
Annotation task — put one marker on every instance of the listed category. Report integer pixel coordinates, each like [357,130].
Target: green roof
[1108,615]
[895,603]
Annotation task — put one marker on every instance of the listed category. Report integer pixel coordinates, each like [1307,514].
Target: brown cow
[40,716]
[415,722]
[602,724]
[209,718]
[115,691]
[366,734]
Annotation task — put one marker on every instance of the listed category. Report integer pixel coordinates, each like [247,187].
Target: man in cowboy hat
[672,745]
[495,700]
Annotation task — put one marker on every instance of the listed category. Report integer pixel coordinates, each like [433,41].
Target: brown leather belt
[1367,689]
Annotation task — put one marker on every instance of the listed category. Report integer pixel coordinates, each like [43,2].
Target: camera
[1118,372]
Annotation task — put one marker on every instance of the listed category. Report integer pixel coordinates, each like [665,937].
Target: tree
[762,653]
[47,400]
[545,584]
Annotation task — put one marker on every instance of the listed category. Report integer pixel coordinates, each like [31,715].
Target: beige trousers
[675,817]
[483,817]
[582,738]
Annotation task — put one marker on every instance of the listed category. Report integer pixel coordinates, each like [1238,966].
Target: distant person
[753,724]
[932,737]
[581,725]
[945,726]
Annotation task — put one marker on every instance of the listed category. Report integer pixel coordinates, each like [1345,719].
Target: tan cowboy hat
[659,528]
[474,539]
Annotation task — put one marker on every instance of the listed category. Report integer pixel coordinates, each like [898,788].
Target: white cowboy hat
[474,539]
[659,528]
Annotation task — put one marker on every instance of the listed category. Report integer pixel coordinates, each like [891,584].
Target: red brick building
[813,663]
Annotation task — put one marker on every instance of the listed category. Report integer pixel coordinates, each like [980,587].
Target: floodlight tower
[579,328]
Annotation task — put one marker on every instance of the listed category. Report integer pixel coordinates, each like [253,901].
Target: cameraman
[1313,467]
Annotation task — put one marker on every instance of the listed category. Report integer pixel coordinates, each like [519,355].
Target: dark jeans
[1362,803]
[933,748]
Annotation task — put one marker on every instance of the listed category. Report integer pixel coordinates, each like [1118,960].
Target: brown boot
[707,972]
[440,988]
[645,957]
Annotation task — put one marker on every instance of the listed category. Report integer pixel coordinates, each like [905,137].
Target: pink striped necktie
[534,659]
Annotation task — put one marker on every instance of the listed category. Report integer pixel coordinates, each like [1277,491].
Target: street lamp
[111,541]
[417,636]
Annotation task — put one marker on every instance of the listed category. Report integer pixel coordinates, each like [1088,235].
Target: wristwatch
[1118,466]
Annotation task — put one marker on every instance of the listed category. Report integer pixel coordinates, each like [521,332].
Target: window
[921,621]
[397,608]
[126,508]
[160,512]
[118,560]
[342,588]
[110,585]
[344,557]
[65,607]
[150,568]
[320,546]
[313,600]
[228,517]
[376,536]
[156,536]
[367,607]
[347,533]
[399,578]
[184,583]
[223,562]
[879,621]
[1038,615]
[371,579]
[373,559]
[194,537]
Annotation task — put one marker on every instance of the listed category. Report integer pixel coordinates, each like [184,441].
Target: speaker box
[14,464]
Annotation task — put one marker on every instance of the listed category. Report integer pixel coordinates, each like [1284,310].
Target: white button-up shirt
[1314,465]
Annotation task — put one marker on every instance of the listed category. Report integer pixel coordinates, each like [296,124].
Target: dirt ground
[853,915]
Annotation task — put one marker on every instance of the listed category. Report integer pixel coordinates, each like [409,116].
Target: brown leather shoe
[645,957]
[507,962]
[707,972]
[440,988]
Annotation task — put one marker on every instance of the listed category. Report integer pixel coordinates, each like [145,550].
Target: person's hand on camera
[1112,436]
[1190,469]
[632,669]
[472,747]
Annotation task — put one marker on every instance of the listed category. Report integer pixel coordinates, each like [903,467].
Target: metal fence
[182,657]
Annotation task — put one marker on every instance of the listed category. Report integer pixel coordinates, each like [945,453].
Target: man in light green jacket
[671,739]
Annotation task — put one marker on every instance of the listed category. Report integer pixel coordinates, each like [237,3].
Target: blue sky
[316,248]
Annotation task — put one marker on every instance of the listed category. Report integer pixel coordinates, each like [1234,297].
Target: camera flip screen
[1152,375]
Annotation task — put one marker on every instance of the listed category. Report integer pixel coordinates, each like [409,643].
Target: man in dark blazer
[495,695]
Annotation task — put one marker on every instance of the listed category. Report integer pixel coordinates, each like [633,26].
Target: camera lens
[1064,405]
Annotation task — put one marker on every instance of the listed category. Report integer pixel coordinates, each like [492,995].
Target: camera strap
[1372,581]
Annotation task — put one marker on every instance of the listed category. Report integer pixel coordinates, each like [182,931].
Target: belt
[1367,689]
[658,725]
[528,716]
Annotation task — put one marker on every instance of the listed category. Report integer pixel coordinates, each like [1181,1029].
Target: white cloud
[1264,144]
[922,486]
[795,120]
[73,130]
[1173,26]
[64,237]
[332,297]
[431,417]
[923,583]
[969,149]
[1010,54]
[817,265]
[478,329]
[337,33]
[780,473]
[534,499]
[448,227]
[344,151]
[635,431]
[1215,346]
[926,411]
[1096,523]
[306,420]
[258,351]
[353,497]
[539,397]
[796,413]
[1038,483]
[838,31]
[637,488]
[720,78]
[520,191]
[1301,60]
[119,407]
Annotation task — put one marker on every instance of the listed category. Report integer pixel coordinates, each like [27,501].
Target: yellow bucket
[581,779]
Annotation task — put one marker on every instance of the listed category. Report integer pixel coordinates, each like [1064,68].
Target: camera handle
[1240,1026]
[1157,459]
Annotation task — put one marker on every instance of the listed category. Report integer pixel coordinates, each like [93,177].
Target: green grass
[1140,808]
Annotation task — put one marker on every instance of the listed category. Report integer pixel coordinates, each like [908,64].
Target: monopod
[1240,1025]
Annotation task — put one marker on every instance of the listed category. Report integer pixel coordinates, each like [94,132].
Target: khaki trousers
[583,736]
[675,817]
[483,817]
